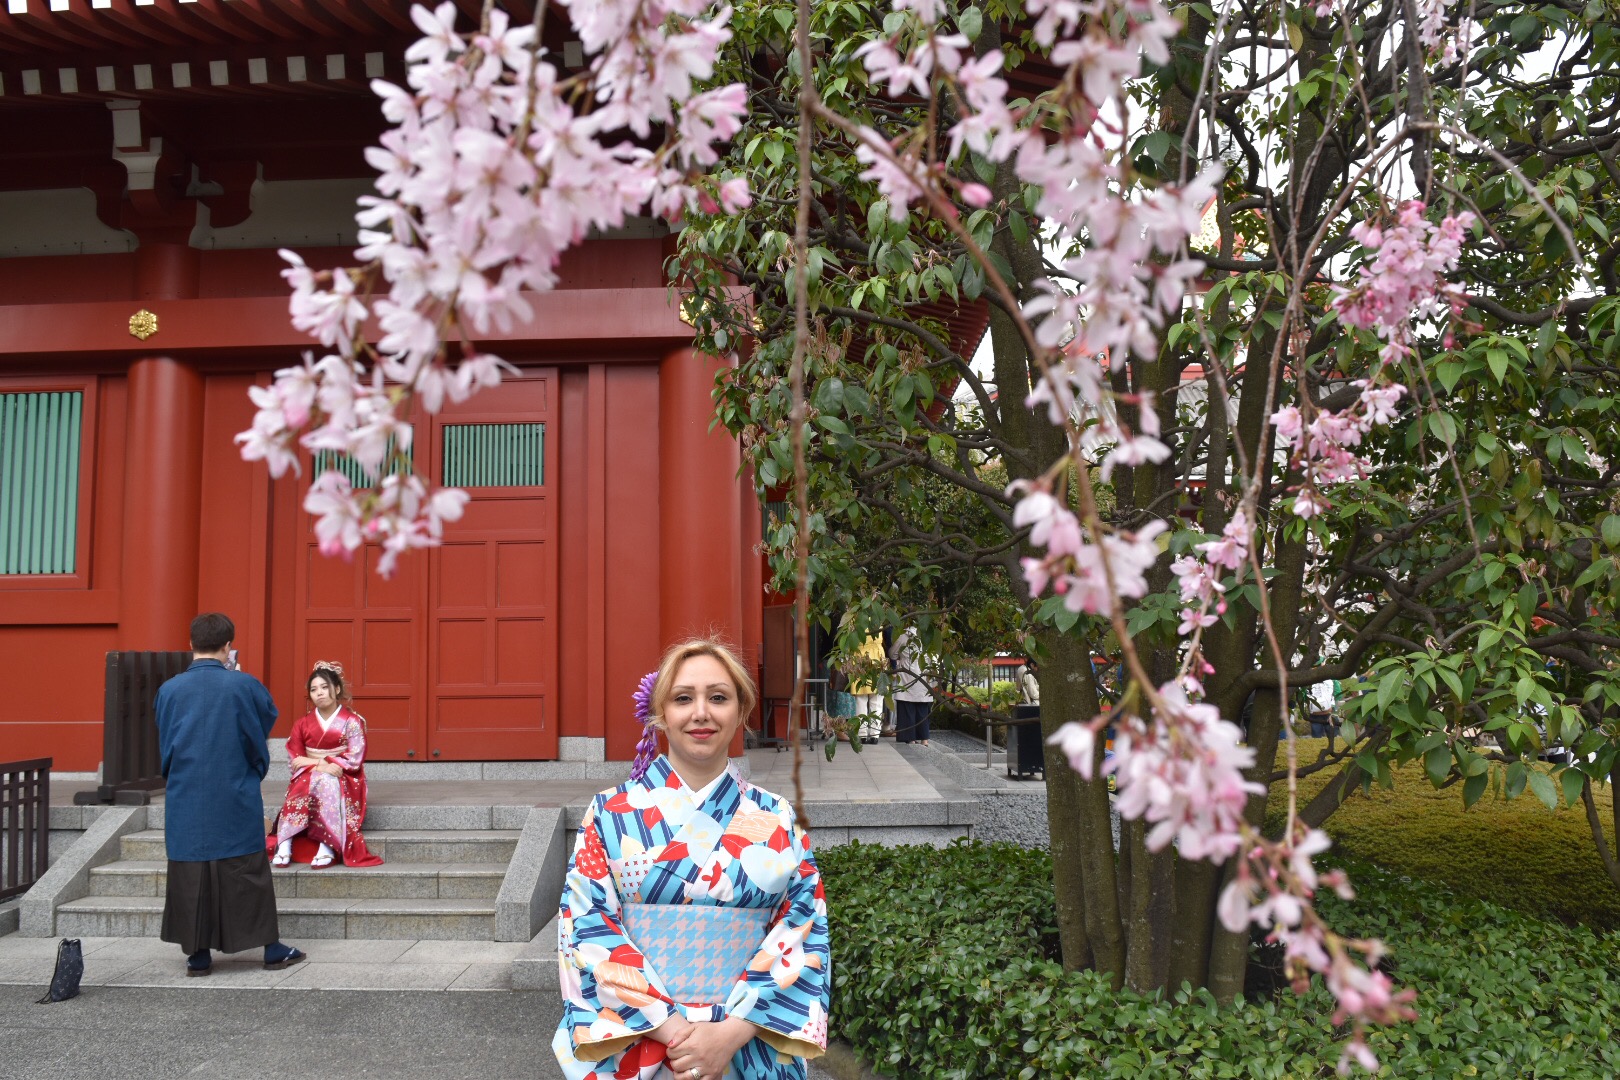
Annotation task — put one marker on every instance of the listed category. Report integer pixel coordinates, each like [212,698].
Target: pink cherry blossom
[469,216]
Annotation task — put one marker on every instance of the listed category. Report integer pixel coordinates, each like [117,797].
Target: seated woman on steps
[326,800]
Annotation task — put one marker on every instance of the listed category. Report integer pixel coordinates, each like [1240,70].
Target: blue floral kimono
[650,841]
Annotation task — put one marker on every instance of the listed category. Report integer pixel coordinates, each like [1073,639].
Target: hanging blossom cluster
[496,161]
[1073,566]
[1273,887]
[1180,769]
[1432,30]
[1131,275]
[1404,281]
[1199,579]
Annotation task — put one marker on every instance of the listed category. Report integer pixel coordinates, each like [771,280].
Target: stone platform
[472,872]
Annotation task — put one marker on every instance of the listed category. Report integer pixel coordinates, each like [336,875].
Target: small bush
[1515,853]
[944,966]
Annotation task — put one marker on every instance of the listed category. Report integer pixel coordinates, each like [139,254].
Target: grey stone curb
[535,968]
[963,773]
[534,877]
[10,917]
[69,878]
[841,1062]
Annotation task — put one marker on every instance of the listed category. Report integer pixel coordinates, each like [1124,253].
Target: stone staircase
[437,885]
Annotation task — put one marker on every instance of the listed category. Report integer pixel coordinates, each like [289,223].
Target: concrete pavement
[242,1034]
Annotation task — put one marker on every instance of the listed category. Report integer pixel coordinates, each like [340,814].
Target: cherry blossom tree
[1340,148]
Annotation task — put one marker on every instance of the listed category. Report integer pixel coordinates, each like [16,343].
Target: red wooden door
[455,657]
[492,586]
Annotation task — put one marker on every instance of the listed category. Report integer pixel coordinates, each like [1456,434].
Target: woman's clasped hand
[706,1047]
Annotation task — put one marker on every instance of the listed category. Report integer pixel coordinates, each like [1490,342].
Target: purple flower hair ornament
[647,748]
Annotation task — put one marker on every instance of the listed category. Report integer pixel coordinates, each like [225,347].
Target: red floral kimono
[323,808]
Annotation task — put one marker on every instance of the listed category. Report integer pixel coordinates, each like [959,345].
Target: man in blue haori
[212,725]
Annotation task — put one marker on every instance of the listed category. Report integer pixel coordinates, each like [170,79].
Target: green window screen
[394,463]
[494,455]
[39,482]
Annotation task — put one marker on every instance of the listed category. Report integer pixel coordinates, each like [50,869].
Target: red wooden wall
[624,586]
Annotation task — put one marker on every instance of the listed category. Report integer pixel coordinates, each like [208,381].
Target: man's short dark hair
[211,632]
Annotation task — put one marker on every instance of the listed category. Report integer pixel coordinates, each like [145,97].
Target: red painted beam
[648,317]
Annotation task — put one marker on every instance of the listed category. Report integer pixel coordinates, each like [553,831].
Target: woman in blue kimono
[687,842]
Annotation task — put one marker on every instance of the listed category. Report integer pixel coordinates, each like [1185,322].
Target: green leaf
[1545,789]
[970,22]
[1443,427]
[1498,361]
[1611,531]
[1473,788]
[1156,145]
[1452,681]
[1515,780]
[1389,686]
[1572,780]
[1448,372]
[1437,763]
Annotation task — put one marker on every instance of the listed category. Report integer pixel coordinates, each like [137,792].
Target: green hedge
[1516,853]
[944,966]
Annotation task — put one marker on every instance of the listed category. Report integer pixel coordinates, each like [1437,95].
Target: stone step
[535,965]
[392,881]
[389,816]
[299,918]
[395,846]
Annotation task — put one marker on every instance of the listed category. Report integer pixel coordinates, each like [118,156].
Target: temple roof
[73,51]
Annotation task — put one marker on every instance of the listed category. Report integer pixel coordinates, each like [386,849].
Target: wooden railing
[130,764]
[25,823]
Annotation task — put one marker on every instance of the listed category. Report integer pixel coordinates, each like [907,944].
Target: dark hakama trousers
[911,720]
[224,904]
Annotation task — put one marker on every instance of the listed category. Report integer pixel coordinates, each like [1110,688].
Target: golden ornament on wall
[143,324]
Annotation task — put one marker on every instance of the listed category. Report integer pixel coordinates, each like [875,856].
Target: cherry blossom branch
[495,164]
[798,417]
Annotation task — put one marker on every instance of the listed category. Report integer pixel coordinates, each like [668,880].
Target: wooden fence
[130,764]
[25,823]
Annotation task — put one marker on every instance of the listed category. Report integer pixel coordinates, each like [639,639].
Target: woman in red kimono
[326,800]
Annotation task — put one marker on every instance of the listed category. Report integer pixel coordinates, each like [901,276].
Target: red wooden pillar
[699,519]
[162,469]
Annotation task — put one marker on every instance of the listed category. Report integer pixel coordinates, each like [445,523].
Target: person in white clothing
[1029,688]
[913,698]
[1322,704]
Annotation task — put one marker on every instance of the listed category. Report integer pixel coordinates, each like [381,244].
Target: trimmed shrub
[944,966]
[1515,853]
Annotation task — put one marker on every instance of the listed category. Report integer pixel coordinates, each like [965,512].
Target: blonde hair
[680,653]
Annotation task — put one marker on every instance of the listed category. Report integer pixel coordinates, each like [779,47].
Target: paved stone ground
[153,1034]
[333,964]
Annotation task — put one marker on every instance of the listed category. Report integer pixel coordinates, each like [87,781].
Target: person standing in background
[913,699]
[1029,687]
[212,725]
[1323,702]
[863,688]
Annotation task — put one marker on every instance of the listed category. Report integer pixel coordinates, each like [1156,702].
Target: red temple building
[154,155]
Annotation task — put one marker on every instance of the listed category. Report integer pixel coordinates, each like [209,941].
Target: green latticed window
[394,463]
[494,455]
[39,482]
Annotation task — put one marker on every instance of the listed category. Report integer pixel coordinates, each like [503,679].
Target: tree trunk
[1229,952]
[1077,810]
